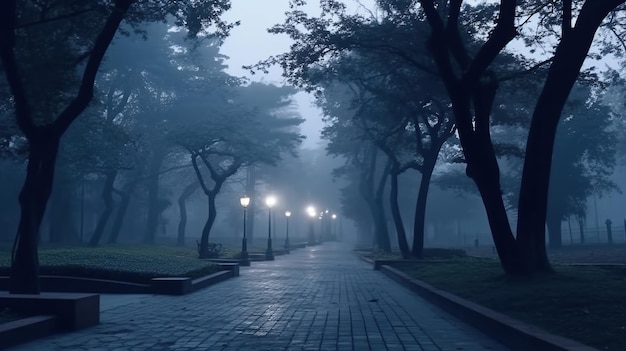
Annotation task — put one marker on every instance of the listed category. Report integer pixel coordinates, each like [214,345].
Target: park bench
[213,248]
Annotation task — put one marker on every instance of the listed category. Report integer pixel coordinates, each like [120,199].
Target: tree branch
[528,71]
[194,162]
[566,24]
[8,21]
[85,93]
[44,20]
[452,34]
[503,33]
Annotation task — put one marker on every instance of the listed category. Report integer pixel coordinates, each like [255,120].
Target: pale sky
[250,42]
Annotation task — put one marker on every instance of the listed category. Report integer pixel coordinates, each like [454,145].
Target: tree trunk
[60,215]
[564,70]
[373,198]
[581,227]
[182,199]
[382,231]
[482,166]
[554,230]
[420,210]
[504,241]
[122,209]
[33,198]
[395,214]
[204,241]
[154,207]
[107,197]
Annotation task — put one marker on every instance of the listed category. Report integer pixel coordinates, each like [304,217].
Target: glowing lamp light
[245,201]
[270,201]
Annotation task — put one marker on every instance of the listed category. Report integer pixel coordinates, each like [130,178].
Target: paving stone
[320,298]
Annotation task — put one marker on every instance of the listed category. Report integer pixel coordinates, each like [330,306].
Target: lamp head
[288,213]
[270,201]
[244,201]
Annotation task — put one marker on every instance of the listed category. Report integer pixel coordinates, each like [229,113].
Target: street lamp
[244,201]
[333,228]
[312,214]
[311,211]
[269,201]
[287,215]
[322,235]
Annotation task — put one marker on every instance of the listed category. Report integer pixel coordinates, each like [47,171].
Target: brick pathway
[320,298]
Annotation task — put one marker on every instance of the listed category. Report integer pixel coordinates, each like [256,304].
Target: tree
[182,224]
[584,155]
[472,93]
[228,131]
[471,82]
[402,116]
[348,139]
[584,158]
[42,128]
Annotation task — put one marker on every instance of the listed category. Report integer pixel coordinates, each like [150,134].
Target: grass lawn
[138,263]
[584,303]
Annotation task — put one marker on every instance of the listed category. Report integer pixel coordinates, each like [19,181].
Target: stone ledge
[74,310]
[366,259]
[167,285]
[511,332]
[380,263]
[184,285]
[233,267]
[214,278]
[227,260]
[26,329]
[255,257]
[171,285]
[84,285]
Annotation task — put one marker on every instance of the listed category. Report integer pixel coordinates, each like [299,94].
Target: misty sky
[250,42]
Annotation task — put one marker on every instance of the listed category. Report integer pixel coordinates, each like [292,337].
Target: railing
[591,236]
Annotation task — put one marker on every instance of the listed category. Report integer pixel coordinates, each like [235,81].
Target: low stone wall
[513,333]
[74,311]
[26,329]
[167,285]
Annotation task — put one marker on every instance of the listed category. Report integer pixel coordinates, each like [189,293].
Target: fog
[178,132]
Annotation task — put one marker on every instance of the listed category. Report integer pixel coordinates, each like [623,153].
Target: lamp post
[333,228]
[326,225]
[312,214]
[244,201]
[322,229]
[287,215]
[269,201]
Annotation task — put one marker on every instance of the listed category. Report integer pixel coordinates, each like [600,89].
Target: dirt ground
[572,253]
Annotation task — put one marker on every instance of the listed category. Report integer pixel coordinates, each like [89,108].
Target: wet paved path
[320,298]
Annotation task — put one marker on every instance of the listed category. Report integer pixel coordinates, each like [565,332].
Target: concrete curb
[26,329]
[513,333]
[74,311]
[164,285]
[62,312]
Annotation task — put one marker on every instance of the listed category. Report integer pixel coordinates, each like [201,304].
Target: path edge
[515,334]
